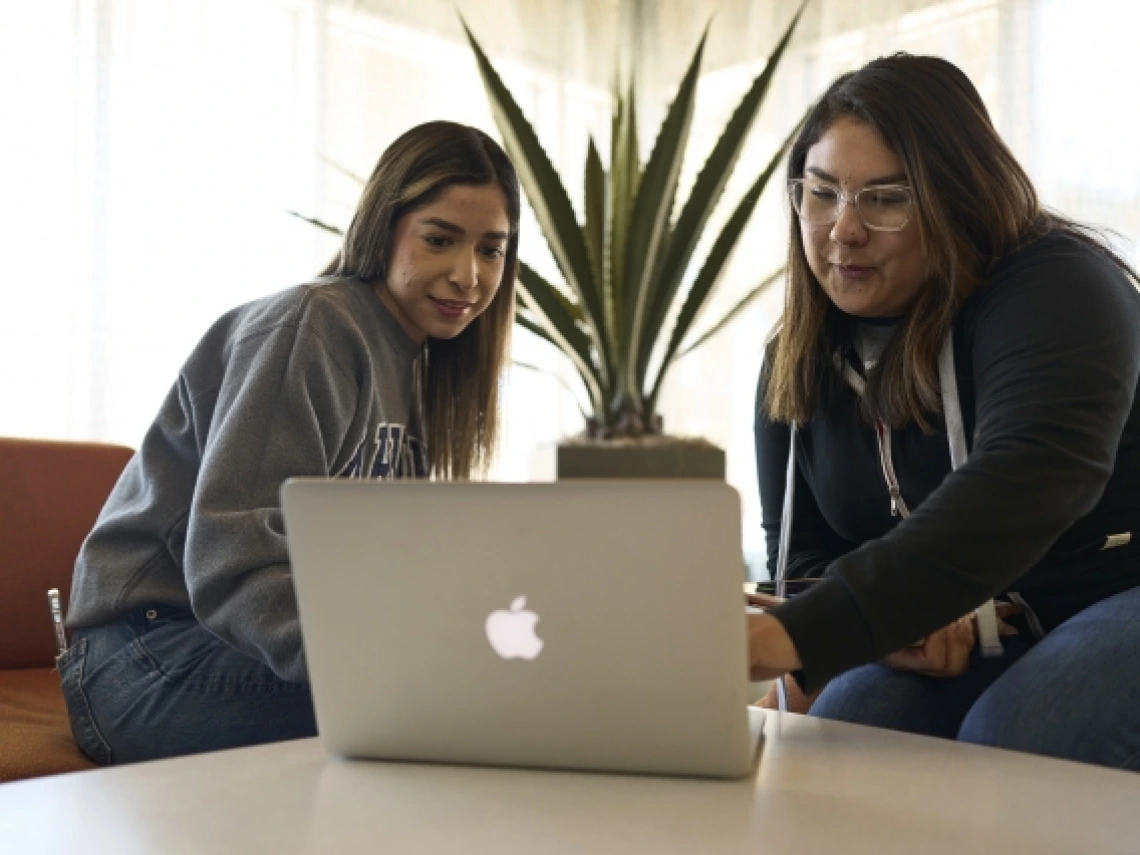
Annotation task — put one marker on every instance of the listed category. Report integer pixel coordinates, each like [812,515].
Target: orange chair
[50,495]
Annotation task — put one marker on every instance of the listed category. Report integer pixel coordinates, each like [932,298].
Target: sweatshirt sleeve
[813,543]
[282,410]
[1056,354]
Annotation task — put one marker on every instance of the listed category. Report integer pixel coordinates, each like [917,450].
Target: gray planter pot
[661,459]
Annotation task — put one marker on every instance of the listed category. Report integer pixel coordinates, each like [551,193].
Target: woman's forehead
[481,206]
[851,151]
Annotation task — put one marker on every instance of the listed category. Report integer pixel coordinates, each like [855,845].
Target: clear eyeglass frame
[798,184]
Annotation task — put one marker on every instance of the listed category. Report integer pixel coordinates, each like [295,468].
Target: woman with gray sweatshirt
[185,632]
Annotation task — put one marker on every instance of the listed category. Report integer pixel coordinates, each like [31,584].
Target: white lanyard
[988,636]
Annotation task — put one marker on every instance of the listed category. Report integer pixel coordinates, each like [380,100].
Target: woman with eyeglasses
[947,435]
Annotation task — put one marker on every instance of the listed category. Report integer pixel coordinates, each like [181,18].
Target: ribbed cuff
[828,631]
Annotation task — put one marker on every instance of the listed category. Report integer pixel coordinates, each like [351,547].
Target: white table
[820,787]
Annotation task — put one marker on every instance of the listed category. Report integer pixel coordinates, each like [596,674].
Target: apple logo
[511,633]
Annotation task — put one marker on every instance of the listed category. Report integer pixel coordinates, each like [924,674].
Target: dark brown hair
[460,380]
[973,204]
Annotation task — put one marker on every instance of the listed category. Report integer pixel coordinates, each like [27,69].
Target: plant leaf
[532,279]
[343,170]
[524,320]
[320,224]
[625,173]
[731,314]
[703,199]
[714,264]
[595,227]
[547,196]
[651,211]
[548,306]
[518,363]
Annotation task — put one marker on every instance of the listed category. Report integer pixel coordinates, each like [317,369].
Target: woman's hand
[770,649]
[945,653]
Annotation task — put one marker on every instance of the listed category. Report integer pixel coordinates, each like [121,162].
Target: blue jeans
[1075,694]
[158,684]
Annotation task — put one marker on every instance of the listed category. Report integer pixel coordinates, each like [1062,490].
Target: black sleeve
[813,544]
[1055,351]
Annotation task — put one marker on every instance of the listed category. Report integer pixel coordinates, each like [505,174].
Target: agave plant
[621,313]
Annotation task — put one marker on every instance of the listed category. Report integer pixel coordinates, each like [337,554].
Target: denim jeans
[1075,694]
[158,684]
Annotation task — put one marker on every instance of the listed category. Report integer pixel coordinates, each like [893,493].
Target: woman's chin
[859,301]
[446,330]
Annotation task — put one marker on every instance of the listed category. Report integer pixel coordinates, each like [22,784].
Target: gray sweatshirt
[316,380]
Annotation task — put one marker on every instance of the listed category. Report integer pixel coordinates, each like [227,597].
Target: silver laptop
[576,625]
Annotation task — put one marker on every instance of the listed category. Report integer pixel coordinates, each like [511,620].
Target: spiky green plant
[624,265]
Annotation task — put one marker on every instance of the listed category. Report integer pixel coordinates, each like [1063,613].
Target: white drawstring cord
[782,553]
[989,639]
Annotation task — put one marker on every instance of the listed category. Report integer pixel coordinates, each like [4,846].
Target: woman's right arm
[813,544]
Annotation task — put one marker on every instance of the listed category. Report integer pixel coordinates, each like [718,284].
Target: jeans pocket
[71,664]
[173,649]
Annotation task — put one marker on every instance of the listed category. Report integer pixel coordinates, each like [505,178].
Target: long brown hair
[459,383]
[973,203]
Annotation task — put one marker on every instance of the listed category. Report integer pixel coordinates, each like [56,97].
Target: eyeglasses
[883,208]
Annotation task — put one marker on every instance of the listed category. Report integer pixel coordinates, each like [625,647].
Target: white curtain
[152,149]
[157,145]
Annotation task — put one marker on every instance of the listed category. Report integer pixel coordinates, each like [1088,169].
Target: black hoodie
[1047,357]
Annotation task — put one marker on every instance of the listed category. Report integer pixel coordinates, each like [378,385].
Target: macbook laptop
[593,625]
